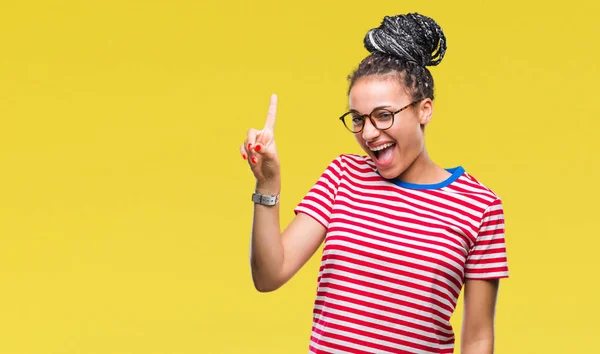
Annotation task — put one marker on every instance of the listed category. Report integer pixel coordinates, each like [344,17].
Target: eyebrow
[374,109]
[380,107]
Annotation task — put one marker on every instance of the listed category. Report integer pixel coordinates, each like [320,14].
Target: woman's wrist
[271,186]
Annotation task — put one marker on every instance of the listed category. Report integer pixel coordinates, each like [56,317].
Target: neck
[423,171]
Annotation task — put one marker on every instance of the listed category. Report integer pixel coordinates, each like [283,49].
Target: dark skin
[276,257]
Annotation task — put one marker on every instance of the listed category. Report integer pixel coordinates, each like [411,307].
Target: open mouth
[383,152]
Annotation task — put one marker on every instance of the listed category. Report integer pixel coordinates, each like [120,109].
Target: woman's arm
[478,319]
[274,256]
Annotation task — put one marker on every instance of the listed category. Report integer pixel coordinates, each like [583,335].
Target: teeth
[381,147]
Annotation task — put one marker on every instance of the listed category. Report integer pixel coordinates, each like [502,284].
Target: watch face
[268,200]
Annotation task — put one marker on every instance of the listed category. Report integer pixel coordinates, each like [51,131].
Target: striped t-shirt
[396,256]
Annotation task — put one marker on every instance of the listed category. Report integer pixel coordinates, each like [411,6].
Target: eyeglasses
[381,118]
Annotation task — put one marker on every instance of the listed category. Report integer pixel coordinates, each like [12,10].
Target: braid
[404,45]
[417,79]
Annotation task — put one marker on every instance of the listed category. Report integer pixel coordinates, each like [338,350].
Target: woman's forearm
[266,250]
[478,346]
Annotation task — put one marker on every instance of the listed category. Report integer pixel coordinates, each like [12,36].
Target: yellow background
[125,207]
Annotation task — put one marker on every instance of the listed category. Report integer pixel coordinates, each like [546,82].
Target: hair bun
[412,37]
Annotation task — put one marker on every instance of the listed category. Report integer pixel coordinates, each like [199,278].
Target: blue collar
[455,171]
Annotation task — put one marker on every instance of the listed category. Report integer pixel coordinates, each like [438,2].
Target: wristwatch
[268,200]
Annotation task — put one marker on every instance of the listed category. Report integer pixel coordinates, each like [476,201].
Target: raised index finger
[270,123]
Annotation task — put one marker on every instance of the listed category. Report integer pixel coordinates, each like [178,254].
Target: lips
[379,148]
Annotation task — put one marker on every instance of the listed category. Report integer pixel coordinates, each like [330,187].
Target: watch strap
[268,200]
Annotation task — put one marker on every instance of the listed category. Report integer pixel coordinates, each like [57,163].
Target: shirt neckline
[456,172]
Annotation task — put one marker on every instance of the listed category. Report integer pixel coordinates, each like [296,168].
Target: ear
[425,111]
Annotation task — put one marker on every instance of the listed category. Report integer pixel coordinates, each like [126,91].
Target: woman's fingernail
[257,148]
[253,159]
[244,156]
[249,146]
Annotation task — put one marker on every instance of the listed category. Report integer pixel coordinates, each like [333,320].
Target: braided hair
[404,45]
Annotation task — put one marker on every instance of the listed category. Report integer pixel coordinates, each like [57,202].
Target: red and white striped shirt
[396,256]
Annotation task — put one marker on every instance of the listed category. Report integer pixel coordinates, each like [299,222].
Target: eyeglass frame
[365,116]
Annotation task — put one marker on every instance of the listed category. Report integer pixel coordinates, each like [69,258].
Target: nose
[369,132]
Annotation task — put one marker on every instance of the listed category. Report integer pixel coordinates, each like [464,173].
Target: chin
[390,172]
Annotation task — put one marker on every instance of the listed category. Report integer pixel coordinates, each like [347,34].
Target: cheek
[409,135]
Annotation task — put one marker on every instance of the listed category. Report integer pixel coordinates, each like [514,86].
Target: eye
[356,119]
[383,115]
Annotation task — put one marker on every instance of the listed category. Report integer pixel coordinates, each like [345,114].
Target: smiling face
[393,150]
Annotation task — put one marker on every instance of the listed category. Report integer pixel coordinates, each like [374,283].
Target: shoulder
[346,166]
[355,162]
[473,188]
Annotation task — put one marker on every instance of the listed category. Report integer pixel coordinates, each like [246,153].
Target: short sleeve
[487,258]
[318,202]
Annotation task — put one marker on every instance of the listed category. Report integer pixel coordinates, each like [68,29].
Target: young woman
[402,236]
